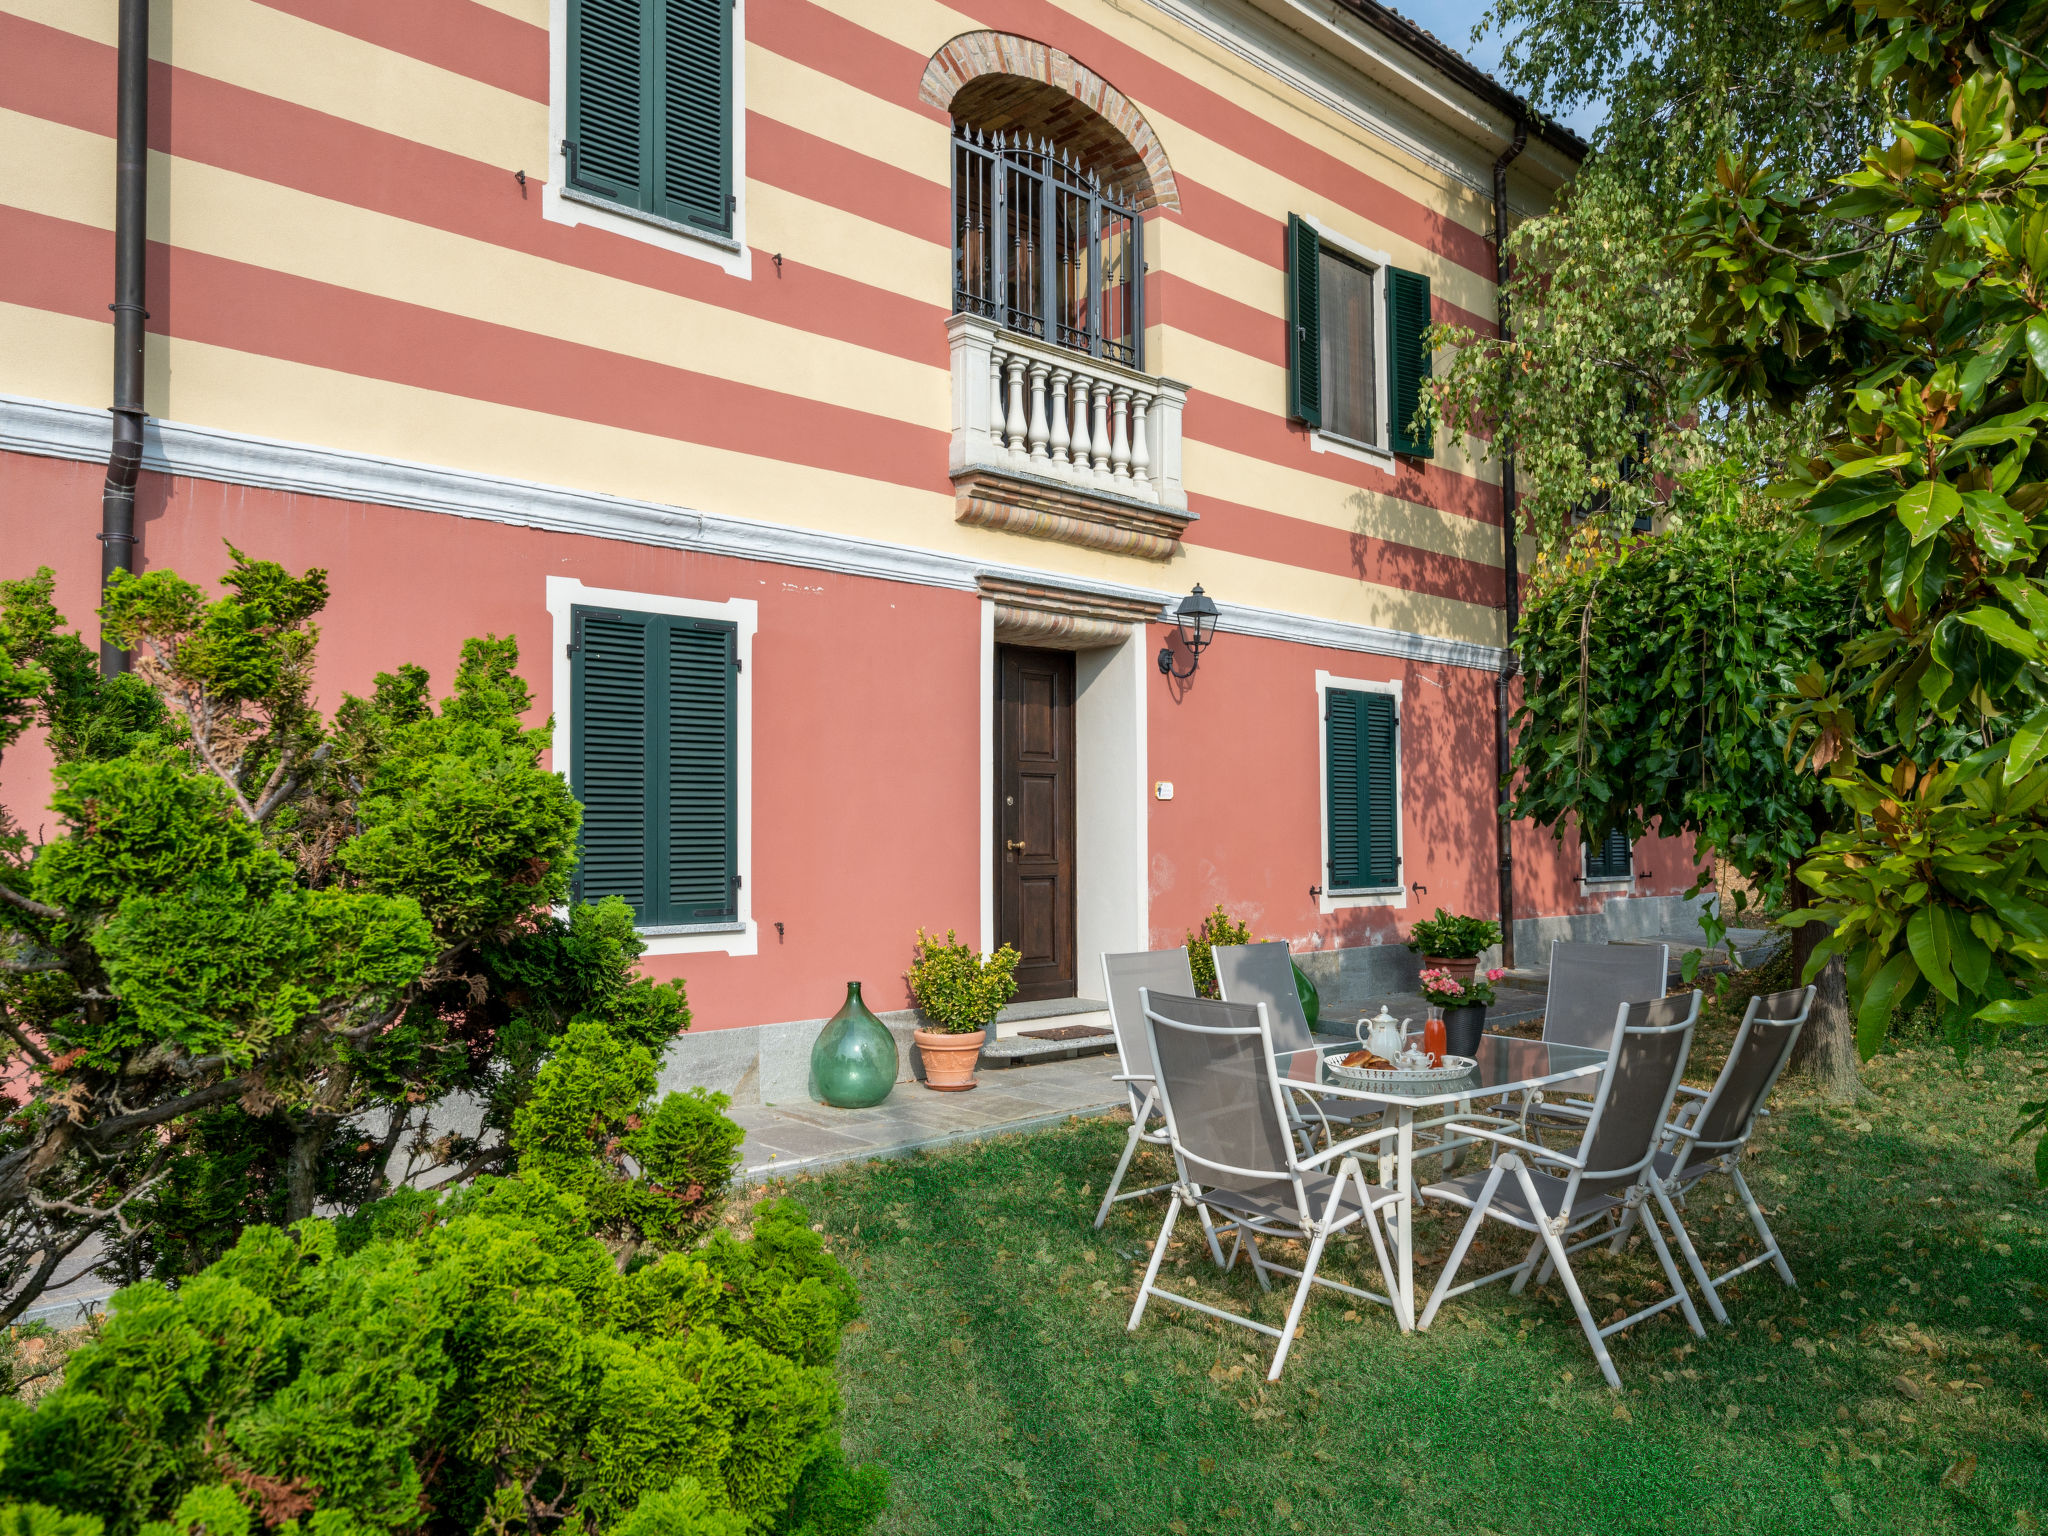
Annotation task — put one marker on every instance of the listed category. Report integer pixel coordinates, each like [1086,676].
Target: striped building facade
[835,401]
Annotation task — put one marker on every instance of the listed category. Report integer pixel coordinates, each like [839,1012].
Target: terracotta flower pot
[949,1060]
[1461,970]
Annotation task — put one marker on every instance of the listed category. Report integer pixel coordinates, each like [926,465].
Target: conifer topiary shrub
[477,1363]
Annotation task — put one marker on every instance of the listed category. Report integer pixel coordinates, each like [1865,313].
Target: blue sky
[1453,20]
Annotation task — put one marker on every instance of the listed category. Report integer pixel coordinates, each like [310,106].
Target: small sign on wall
[1163,790]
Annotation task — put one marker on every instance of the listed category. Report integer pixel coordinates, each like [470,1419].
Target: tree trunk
[302,1171]
[1826,1053]
[54,1254]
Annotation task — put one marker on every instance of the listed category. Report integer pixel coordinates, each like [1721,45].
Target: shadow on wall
[1448,790]
[1405,568]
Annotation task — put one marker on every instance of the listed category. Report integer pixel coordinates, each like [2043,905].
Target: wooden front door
[1035,817]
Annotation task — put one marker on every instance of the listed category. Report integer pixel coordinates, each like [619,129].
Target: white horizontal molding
[54,429]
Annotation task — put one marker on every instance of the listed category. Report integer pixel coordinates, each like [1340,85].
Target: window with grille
[1043,248]
[653,759]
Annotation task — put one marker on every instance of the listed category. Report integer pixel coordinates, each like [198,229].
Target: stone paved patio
[807,1135]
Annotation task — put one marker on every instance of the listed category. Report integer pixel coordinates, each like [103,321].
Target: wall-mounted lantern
[1196,617]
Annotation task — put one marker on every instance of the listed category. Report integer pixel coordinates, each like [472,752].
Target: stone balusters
[1072,423]
[1063,416]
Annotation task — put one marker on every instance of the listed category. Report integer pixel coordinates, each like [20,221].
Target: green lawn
[993,1376]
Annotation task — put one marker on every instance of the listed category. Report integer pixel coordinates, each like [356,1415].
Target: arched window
[1043,245]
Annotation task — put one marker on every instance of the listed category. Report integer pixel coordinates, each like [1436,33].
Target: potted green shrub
[1453,944]
[1219,927]
[959,991]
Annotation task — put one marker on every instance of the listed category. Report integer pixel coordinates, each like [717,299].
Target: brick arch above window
[1111,134]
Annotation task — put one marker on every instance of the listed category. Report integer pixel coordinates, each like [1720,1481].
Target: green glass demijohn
[1311,999]
[853,1065]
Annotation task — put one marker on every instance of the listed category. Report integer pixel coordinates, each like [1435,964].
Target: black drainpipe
[1504,832]
[131,235]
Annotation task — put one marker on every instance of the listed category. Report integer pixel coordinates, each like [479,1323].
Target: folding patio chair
[1712,1131]
[1235,1156]
[1264,973]
[1556,1196]
[1165,971]
[1587,983]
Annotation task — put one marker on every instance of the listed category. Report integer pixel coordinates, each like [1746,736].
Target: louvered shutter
[1408,359]
[1381,835]
[700,856]
[650,106]
[1362,743]
[609,764]
[611,138]
[654,760]
[1341,735]
[1611,859]
[1304,323]
[694,95]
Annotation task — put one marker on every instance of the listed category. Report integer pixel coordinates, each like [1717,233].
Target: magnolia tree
[262,945]
[1911,303]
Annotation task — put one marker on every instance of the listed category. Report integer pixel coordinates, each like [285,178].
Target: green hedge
[477,1364]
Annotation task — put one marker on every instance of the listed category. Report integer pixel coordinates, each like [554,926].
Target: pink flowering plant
[1446,991]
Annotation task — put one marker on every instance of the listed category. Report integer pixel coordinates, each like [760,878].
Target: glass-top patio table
[1504,1065]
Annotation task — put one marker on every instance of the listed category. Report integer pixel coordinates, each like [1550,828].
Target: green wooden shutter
[609,766]
[1362,743]
[1341,763]
[611,139]
[694,95]
[701,857]
[1408,359]
[1304,324]
[1381,839]
[650,106]
[1612,859]
[654,760]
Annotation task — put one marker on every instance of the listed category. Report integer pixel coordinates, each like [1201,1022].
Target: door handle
[1014,847]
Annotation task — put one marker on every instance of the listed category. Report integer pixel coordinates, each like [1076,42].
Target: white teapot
[1388,1038]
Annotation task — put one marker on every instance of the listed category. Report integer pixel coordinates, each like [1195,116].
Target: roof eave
[1456,67]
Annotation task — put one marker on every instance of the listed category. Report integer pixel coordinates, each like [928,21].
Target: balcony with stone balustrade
[1055,444]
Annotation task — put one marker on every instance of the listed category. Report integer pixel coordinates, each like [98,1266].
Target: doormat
[1066,1032]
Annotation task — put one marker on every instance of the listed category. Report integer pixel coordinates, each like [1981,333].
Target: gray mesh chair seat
[1587,983]
[1274,1202]
[1558,1195]
[1712,1131]
[1264,973]
[1511,1201]
[1236,1157]
[1165,971]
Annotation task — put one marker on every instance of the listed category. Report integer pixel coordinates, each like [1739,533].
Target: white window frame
[739,935]
[1395,896]
[1625,882]
[561,205]
[1378,455]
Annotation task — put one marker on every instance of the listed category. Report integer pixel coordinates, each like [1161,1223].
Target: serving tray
[1454,1067]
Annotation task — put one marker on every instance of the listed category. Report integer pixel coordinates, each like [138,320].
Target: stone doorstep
[1018,1051]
